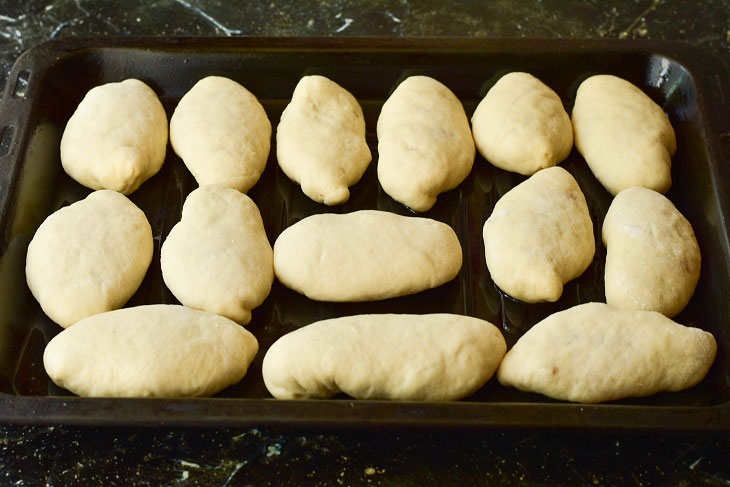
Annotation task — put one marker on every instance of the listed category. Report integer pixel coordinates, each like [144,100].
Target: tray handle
[14,119]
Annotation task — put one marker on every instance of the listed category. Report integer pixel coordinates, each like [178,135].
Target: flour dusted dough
[521,125]
[89,257]
[539,236]
[150,351]
[117,137]
[653,260]
[425,145]
[222,134]
[320,141]
[624,136]
[594,353]
[437,357]
[217,258]
[366,255]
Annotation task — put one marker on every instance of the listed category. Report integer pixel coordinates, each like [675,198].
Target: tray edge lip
[439,43]
[181,412]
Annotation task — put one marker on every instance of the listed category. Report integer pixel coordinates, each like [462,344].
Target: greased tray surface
[49,81]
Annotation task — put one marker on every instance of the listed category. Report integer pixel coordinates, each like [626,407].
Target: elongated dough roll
[521,125]
[222,134]
[320,141]
[366,255]
[653,260]
[425,146]
[218,258]
[437,357]
[117,137]
[624,136]
[594,353]
[150,351]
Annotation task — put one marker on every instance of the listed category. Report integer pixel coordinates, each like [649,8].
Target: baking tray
[47,83]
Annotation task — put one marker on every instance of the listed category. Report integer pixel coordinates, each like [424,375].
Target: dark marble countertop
[64,455]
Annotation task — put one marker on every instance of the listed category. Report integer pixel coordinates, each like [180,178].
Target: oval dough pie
[539,236]
[117,137]
[89,257]
[521,125]
[624,136]
[653,260]
[425,146]
[222,134]
[320,140]
[218,258]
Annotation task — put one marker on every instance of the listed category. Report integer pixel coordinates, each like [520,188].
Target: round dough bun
[425,146]
[117,137]
[222,134]
[217,258]
[653,260]
[320,141]
[150,351]
[435,357]
[521,125]
[89,257]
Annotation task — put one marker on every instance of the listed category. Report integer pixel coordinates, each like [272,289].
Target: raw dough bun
[425,145]
[653,260]
[217,258]
[624,136]
[320,141]
[521,125]
[222,134]
[539,236]
[150,351]
[89,257]
[117,137]
[594,353]
[437,357]
[366,255]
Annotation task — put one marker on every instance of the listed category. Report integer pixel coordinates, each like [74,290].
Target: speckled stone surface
[61,455]
[93,456]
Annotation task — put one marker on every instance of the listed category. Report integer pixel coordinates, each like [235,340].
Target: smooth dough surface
[539,236]
[626,138]
[366,255]
[320,140]
[222,134]
[150,351]
[117,137]
[425,146]
[653,260]
[521,125]
[218,258]
[436,357]
[594,353]
[89,257]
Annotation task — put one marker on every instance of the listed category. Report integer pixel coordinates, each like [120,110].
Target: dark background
[61,455]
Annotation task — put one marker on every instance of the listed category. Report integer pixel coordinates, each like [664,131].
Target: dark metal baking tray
[47,83]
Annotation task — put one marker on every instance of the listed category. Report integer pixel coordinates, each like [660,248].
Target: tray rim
[350,413]
[338,414]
